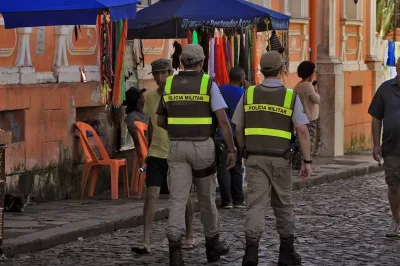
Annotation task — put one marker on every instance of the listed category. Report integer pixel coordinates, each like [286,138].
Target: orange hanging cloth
[119,66]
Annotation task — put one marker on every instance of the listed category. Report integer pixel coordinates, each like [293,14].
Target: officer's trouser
[183,156]
[268,176]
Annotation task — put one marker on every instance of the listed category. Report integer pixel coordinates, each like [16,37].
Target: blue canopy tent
[34,13]
[168,19]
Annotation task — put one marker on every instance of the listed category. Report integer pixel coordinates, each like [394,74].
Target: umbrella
[34,13]
[172,18]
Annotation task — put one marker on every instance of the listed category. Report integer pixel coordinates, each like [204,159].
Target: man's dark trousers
[230,181]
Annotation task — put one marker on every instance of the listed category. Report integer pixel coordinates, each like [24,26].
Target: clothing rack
[243,38]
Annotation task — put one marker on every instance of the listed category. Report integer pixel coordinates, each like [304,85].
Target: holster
[212,169]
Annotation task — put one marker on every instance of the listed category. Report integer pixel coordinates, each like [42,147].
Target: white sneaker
[394,229]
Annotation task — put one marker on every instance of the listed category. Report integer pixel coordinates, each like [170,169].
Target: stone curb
[71,232]
[348,172]
[89,228]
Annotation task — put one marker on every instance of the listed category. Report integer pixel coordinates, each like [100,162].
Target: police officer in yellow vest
[189,110]
[265,119]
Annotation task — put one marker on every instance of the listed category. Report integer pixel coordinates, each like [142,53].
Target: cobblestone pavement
[341,223]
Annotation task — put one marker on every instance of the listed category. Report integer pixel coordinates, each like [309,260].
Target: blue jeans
[230,181]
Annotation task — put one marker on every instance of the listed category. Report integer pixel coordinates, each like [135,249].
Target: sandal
[141,250]
[189,244]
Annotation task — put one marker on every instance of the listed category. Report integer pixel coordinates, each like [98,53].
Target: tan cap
[159,65]
[193,53]
[271,61]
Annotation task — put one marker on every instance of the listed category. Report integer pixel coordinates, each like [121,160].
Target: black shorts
[156,172]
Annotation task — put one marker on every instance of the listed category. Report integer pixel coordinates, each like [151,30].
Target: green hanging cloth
[195,38]
[118,31]
[123,89]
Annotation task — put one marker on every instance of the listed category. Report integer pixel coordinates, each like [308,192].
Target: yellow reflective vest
[187,98]
[268,123]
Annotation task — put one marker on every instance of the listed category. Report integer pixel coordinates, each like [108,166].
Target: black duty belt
[285,155]
[212,169]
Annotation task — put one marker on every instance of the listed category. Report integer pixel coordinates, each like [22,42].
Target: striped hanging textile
[119,81]
[105,40]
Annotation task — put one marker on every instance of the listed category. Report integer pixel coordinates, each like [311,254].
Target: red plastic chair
[93,164]
[138,176]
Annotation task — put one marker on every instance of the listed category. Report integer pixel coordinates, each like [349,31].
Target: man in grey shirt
[385,106]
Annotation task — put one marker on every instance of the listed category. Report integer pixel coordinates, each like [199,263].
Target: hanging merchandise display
[106,73]
[228,48]
[232,26]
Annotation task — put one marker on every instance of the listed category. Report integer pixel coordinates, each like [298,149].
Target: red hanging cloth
[221,73]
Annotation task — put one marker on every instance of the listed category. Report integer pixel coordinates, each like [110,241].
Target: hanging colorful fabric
[211,64]
[243,56]
[105,33]
[221,74]
[189,36]
[195,38]
[119,66]
[232,41]
[236,51]
[225,49]
[229,50]
[255,57]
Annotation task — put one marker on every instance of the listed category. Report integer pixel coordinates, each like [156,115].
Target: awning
[172,18]
[34,13]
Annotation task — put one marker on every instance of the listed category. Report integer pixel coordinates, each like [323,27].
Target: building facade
[41,97]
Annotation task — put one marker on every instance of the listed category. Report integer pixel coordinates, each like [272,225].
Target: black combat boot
[175,254]
[251,254]
[287,255]
[215,248]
